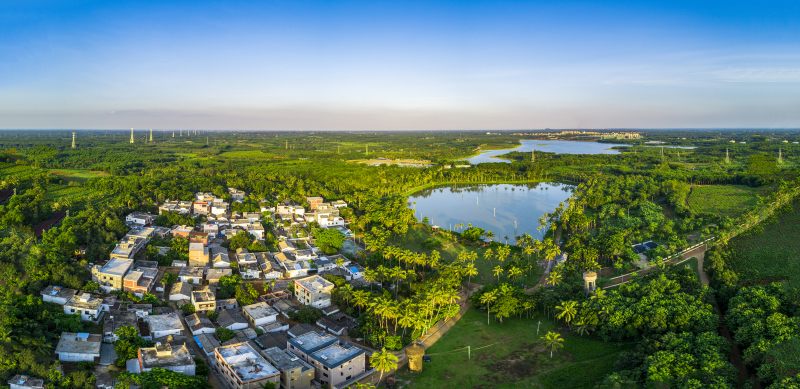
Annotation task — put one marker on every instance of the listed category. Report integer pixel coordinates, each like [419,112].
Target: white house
[57,294]
[180,291]
[140,218]
[163,325]
[79,347]
[193,273]
[199,323]
[231,320]
[260,313]
[164,356]
[25,382]
[86,305]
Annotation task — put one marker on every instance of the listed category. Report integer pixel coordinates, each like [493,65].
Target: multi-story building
[236,194]
[163,325]
[295,373]
[193,273]
[116,320]
[313,202]
[144,219]
[198,255]
[314,291]
[86,305]
[334,360]
[25,382]
[110,276]
[204,300]
[243,367]
[140,280]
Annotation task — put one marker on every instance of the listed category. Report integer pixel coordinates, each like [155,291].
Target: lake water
[550,146]
[493,207]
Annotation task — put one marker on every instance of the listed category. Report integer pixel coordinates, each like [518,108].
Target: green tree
[383,361]
[329,240]
[553,342]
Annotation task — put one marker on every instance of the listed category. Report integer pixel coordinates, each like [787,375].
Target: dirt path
[703,276]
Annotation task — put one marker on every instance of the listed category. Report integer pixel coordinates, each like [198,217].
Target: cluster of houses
[326,215]
[265,347]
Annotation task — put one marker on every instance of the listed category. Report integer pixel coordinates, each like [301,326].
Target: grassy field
[77,175]
[257,154]
[726,200]
[511,355]
[769,255]
[449,252]
[187,155]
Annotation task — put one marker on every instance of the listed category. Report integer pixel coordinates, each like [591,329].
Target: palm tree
[506,238]
[489,234]
[488,254]
[346,291]
[553,341]
[598,294]
[488,298]
[554,278]
[470,271]
[568,310]
[498,270]
[582,327]
[360,299]
[383,361]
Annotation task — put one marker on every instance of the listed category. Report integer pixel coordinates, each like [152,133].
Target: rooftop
[118,319]
[246,362]
[191,271]
[229,317]
[166,322]
[117,266]
[215,274]
[84,301]
[165,356]
[259,310]
[203,295]
[207,342]
[314,283]
[79,343]
[198,320]
[142,264]
[313,340]
[272,339]
[57,291]
[336,354]
[284,361]
[183,288]
[26,381]
[196,247]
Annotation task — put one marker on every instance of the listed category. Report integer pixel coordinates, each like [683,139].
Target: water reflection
[550,146]
[493,207]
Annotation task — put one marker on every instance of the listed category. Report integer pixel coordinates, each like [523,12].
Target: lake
[493,207]
[550,146]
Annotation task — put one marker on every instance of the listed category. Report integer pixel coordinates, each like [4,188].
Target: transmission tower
[131,135]
[727,157]
[73,140]
[151,135]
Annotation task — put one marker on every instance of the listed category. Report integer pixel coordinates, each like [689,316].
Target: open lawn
[250,154]
[77,175]
[769,255]
[450,250]
[187,155]
[726,200]
[511,355]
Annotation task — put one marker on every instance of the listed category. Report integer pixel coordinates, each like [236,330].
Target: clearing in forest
[724,200]
[77,175]
[511,355]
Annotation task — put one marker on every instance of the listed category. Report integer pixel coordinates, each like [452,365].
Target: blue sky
[380,65]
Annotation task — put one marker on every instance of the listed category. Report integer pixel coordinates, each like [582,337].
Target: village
[183,309]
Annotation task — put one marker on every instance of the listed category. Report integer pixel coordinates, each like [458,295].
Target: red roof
[47,224]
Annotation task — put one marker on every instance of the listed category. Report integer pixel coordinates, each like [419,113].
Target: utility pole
[727,157]
[151,135]
[173,134]
[131,135]
[780,157]
[73,140]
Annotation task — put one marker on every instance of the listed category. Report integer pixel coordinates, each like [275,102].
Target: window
[324,374]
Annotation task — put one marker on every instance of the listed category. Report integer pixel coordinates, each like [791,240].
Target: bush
[187,309]
[224,334]
[306,314]
[212,315]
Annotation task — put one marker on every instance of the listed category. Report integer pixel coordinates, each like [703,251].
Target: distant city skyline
[371,66]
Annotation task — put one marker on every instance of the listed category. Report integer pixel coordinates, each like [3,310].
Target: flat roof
[89,343]
[285,361]
[203,295]
[117,266]
[166,322]
[260,310]
[191,271]
[246,362]
[312,341]
[57,291]
[314,283]
[336,354]
[165,356]
[81,301]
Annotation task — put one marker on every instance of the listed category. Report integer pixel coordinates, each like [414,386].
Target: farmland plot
[725,200]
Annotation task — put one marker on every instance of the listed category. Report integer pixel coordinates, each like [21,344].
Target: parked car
[426,358]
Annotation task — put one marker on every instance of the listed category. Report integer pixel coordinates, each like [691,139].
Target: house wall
[237,326]
[78,357]
[159,334]
[204,331]
[55,299]
[341,373]
[187,369]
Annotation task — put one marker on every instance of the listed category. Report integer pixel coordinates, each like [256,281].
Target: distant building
[204,301]
[86,305]
[110,276]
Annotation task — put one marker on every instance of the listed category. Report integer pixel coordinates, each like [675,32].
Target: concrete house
[236,194]
[207,343]
[250,271]
[242,367]
[260,313]
[314,291]
[86,305]
[57,294]
[199,323]
[25,382]
[180,291]
[144,219]
[213,275]
[204,300]
[220,258]
[140,281]
[269,266]
[231,320]
[334,360]
[230,303]
[166,357]
[295,373]
[198,255]
[286,245]
[182,231]
[163,325]
[116,320]
[78,347]
[110,275]
[191,273]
